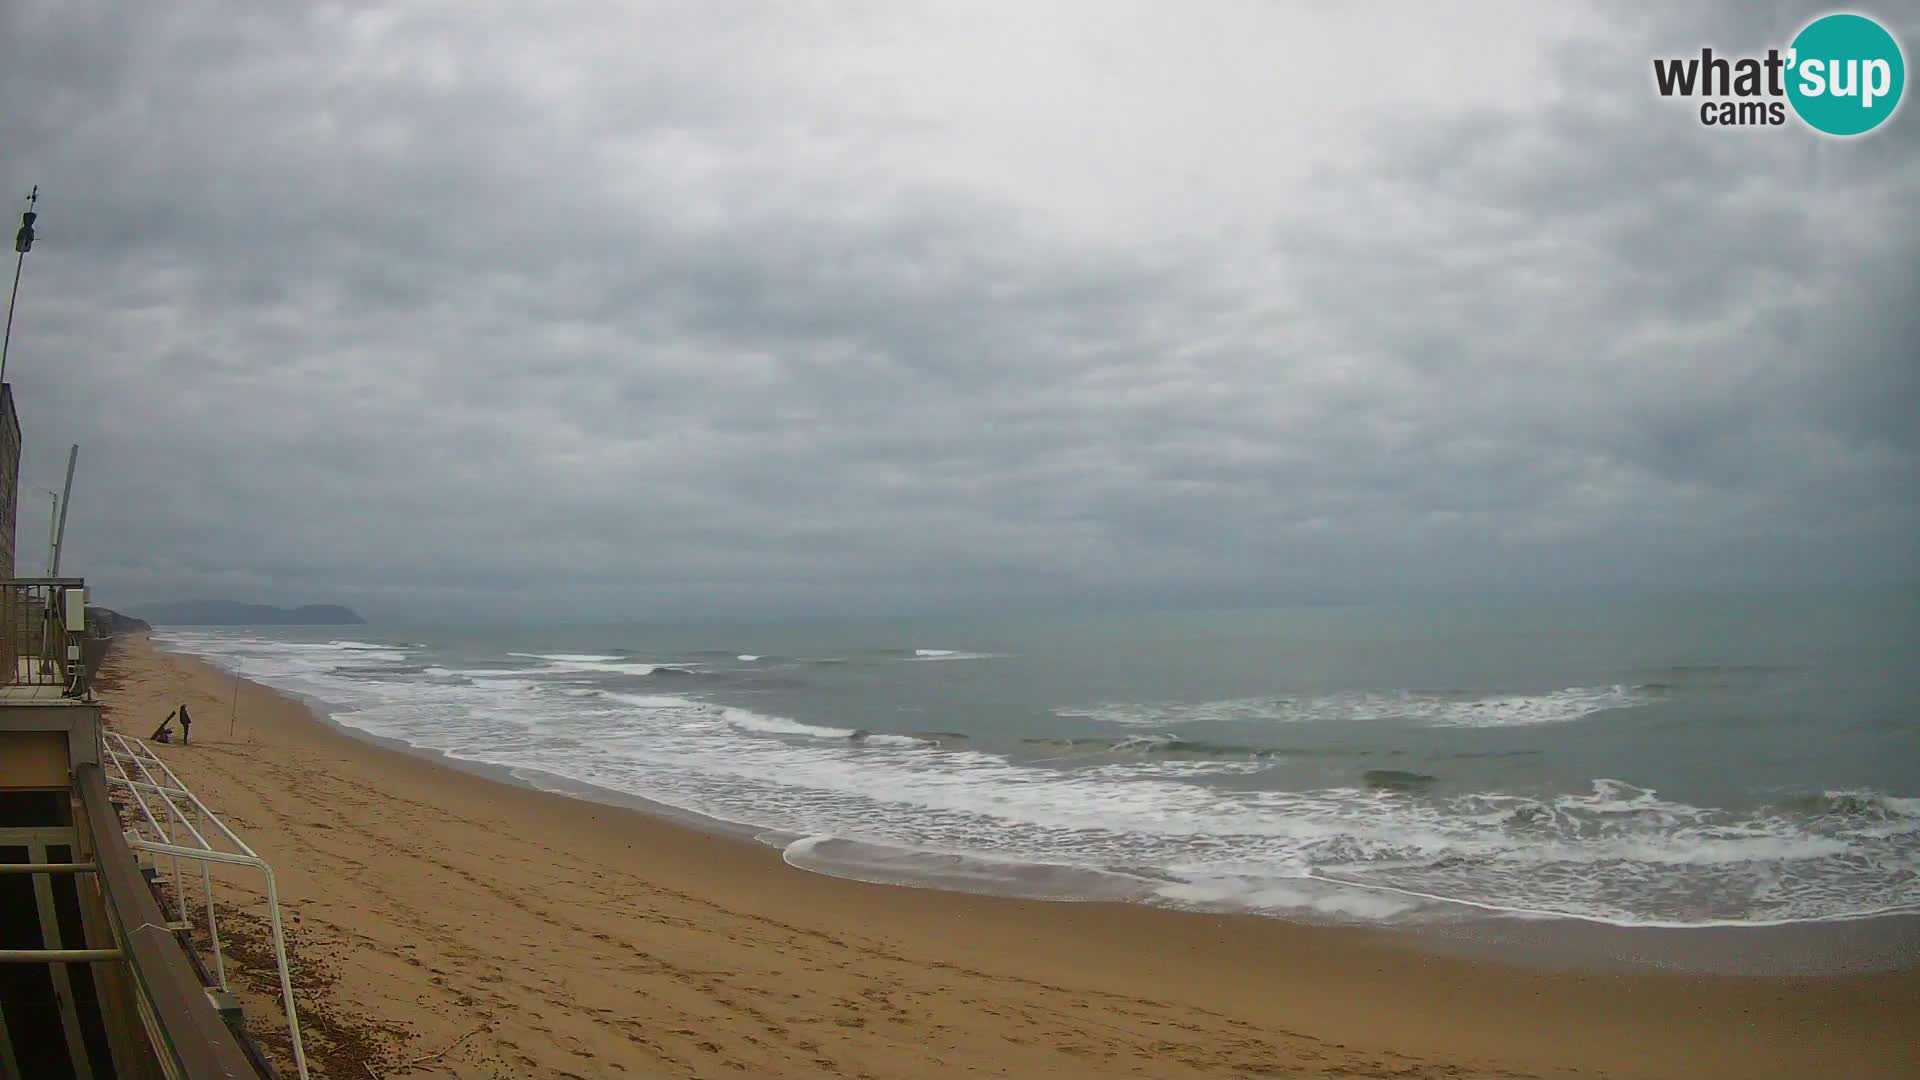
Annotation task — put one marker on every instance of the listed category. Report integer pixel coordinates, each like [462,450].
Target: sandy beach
[450,924]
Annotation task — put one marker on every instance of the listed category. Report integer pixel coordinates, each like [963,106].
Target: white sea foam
[1873,804]
[1613,851]
[1280,895]
[747,657]
[653,701]
[952,654]
[881,738]
[573,658]
[1143,743]
[1429,709]
[748,720]
[780,725]
[625,669]
[617,667]
[956,871]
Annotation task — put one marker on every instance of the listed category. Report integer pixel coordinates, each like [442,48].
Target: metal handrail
[64,956]
[137,753]
[165,832]
[185,1029]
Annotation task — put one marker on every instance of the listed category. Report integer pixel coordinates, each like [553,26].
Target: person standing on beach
[186,725]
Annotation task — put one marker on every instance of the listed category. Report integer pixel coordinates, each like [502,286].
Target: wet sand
[477,928]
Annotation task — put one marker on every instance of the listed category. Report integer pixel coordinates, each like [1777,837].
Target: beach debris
[436,1056]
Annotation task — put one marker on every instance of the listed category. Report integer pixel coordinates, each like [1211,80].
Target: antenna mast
[66,501]
[22,243]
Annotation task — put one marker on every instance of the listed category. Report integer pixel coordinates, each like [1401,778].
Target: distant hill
[226,613]
[106,622]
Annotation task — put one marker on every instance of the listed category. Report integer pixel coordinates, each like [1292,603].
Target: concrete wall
[33,759]
[93,653]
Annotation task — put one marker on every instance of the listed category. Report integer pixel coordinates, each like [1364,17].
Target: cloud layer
[846,307]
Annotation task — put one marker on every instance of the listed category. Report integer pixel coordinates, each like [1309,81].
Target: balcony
[46,654]
[99,979]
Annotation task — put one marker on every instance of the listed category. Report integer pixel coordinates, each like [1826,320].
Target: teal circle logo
[1845,74]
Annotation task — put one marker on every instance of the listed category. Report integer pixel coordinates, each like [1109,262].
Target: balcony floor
[35,695]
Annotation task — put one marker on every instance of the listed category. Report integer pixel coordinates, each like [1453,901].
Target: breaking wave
[1429,708]
[1148,816]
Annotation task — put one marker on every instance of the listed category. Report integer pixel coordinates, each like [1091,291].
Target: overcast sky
[736,309]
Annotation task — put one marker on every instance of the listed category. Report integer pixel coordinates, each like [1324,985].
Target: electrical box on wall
[76,610]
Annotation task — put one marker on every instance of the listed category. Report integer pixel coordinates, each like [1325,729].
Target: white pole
[53,520]
[66,501]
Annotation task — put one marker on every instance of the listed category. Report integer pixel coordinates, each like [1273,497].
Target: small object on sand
[436,1056]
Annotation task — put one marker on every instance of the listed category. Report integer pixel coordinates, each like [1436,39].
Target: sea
[1672,761]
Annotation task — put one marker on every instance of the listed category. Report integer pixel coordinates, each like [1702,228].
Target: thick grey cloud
[821,308]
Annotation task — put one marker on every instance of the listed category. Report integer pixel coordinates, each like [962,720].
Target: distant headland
[227,613]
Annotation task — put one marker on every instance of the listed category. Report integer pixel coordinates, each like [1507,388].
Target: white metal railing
[177,835]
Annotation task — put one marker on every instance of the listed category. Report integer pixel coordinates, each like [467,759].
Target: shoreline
[490,870]
[1879,941]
